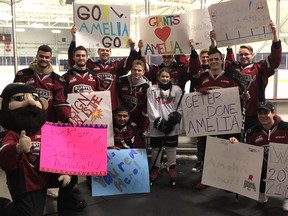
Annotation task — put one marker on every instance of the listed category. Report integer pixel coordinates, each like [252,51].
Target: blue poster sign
[127,173]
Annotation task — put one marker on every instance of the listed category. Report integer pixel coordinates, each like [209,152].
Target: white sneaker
[194,157]
[263,199]
[285,205]
[52,193]
[197,168]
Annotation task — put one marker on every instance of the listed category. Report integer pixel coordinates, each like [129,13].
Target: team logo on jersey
[62,79]
[30,81]
[91,78]
[106,79]
[165,100]
[81,88]
[248,78]
[205,81]
[73,80]
[124,88]
[44,93]
[130,101]
[259,138]
[280,137]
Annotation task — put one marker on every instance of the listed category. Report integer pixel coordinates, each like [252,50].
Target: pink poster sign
[80,150]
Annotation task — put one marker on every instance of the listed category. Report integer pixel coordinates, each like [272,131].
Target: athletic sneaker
[285,205]
[197,168]
[154,174]
[194,157]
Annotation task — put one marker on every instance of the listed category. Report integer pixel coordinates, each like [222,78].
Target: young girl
[164,115]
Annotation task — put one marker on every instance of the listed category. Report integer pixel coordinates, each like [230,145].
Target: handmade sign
[218,112]
[102,25]
[200,27]
[277,171]
[160,34]
[238,22]
[80,150]
[127,174]
[233,167]
[93,108]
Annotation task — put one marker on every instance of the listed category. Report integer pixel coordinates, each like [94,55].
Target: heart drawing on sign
[163,33]
[260,7]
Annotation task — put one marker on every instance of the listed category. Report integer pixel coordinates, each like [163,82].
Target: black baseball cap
[266,105]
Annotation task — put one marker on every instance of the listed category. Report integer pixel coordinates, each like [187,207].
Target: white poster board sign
[218,112]
[233,167]
[200,27]
[93,108]
[238,22]
[165,35]
[277,171]
[102,25]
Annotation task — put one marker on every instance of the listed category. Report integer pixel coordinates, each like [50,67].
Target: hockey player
[132,90]
[125,130]
[79,79]
[164,114]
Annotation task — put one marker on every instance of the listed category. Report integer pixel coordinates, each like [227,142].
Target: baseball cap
[266,105]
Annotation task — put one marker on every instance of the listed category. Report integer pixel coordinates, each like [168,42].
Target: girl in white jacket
[164,112]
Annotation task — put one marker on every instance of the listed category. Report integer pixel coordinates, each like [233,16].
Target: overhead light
[69,1]
[20,29]
[5,17]
[62,20]
[37,25]
[56,31]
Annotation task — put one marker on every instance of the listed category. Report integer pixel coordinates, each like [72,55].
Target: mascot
[22,114]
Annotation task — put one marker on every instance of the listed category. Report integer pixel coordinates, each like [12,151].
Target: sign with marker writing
[80,150]
[238,22]
[218,112]
[233,167]
[277,171]
[160,34]
[200,27]
[93,108]
[102,26]
[127,174]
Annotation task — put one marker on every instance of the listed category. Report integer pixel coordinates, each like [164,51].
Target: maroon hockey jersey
[135,98]
[81,81]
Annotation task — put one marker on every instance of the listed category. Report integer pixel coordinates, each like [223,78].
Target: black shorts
[169,141]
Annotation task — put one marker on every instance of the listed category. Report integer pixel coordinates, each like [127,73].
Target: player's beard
[80,63]
[30,119]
